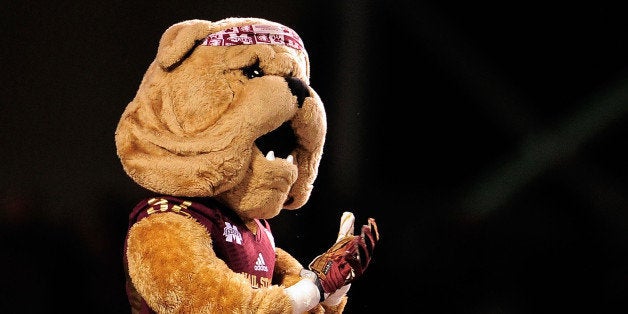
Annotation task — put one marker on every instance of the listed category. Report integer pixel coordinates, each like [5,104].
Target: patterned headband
[268,34]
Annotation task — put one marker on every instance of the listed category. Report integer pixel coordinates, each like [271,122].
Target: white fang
[270,155]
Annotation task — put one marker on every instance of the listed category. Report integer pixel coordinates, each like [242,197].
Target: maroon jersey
[245,252]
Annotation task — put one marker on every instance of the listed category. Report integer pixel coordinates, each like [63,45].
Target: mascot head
[226,111]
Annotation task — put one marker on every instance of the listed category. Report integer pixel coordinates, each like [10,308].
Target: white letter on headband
[255,34]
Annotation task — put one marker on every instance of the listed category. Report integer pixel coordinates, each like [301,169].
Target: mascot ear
[179,40]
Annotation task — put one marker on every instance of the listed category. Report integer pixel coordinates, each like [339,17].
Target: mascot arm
[173,267]
[287,269]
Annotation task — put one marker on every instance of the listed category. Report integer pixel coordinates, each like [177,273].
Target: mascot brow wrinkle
[223,133]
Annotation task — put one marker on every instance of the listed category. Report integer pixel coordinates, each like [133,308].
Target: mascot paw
[348,258]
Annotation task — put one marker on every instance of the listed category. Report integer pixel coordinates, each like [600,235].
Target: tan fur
[190,132]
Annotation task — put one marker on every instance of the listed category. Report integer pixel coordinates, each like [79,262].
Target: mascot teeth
[270,155]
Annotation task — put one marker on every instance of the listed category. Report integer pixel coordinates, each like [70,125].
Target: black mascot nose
[298,88]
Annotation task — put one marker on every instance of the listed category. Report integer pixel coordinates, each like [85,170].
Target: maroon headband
[269,34]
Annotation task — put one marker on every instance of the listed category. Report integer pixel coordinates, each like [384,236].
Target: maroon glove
[348,258]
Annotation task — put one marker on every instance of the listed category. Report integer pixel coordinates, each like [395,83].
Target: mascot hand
[305,294]
[346,260]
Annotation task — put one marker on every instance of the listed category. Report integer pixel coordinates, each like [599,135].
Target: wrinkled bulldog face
[286,128]
[239,123]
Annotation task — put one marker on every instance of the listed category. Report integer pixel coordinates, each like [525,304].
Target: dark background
[487,139]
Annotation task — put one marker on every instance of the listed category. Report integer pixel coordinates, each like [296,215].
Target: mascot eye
[253,71]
